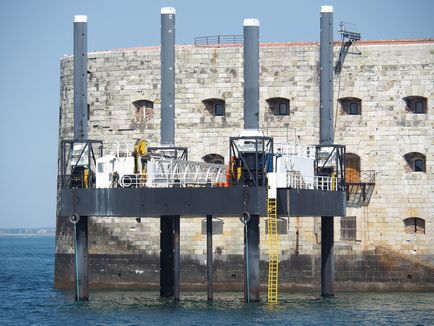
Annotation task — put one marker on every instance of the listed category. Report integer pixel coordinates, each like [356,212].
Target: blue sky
[36,34]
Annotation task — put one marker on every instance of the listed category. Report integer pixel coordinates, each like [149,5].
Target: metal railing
[166,173]
[162,180]
[218,39]
[298,181]
[364,176]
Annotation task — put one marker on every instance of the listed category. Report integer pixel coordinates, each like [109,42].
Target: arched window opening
[215,106]
[416,104]
[416,162]
[352,170]
[144,111]
[214,158]
[414,225]
[351,105]
[278,105]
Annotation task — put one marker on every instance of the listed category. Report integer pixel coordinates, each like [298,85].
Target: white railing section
[295,150]
[164,173]
[298,181]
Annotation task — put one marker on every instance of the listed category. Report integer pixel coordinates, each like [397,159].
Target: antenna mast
[349,37]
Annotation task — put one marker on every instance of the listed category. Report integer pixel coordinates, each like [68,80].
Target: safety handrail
[218,39]
[316,182]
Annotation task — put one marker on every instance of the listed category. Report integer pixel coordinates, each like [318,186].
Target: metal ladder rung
[273,251]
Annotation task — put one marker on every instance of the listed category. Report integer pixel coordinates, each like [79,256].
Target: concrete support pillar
[327,256]
[251,260]
[209,257]
[81,259]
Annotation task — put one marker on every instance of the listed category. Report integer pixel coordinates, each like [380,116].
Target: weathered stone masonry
[125,252]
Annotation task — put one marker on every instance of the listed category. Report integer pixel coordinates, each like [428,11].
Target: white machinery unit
[295,167]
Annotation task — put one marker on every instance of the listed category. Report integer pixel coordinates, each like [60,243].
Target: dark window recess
[219,109]
[348,228]
[282,226]
[351,105]
[215,106]
[416,104]
[419,107]
[416,162]
[354,108]
[278,105]
[214,158]
[217,226]
[414,225]
[419,165]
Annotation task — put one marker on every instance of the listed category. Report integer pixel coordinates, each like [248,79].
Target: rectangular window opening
[418,165]
[419,107]
[283,109]
[348,228]
[354,108]
[219,109]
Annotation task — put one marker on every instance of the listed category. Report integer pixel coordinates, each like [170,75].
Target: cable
[337,105]
[247,262]
[77,289]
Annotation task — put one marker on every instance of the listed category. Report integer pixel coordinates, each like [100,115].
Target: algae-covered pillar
[326,138]
[169,224]
[251,122]
[80,135]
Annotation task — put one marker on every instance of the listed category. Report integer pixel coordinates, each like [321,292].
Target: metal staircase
[273,245]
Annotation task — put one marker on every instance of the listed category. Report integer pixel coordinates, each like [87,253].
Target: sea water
[27,297]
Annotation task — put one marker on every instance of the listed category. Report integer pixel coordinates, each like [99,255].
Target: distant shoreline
[27,234]
[46,231]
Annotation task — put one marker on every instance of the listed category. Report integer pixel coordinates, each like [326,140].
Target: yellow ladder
[273,250]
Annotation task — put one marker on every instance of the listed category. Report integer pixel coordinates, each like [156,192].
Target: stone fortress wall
[383,252]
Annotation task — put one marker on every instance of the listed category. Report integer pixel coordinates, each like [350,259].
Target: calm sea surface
[27,297]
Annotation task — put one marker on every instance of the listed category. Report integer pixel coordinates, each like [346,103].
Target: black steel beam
[327,256]
[166,257]
[82,260]
[209,257]
[251,259]
[148,202]
[307,202]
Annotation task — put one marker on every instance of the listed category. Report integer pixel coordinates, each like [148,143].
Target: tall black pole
[80,77]
[167,55]
[166,257]
[327,256]
[251,74]
[80,134]
[209,257]
[169,225]
[326,76]
[251,122]
[82,260]
[326,138]
[176,258]
[251,241]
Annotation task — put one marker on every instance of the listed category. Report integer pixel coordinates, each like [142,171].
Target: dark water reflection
[27,297]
